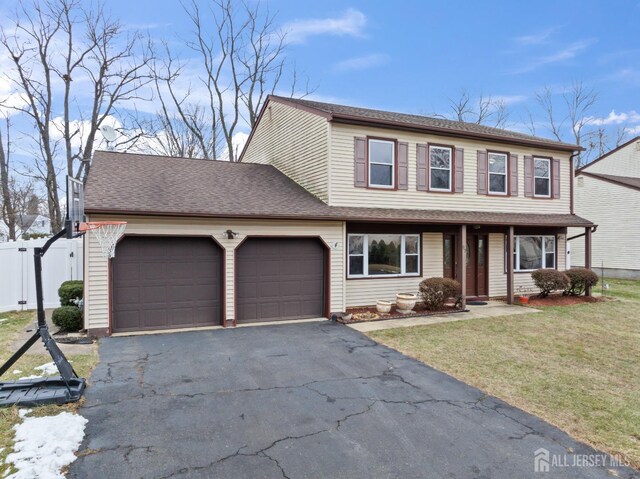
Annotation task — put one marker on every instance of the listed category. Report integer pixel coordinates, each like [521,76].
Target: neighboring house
[608,192]
[330,207]
[29,225]
[4,231]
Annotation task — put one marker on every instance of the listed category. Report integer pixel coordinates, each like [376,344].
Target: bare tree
[482,111]
[242,60]
[8,207]
[570,119]
[52,44]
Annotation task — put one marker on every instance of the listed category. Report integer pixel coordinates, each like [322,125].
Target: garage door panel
[166,282]
[279,278]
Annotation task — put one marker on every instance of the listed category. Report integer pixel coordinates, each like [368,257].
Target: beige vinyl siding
[614,209]
[96,273]
[624,162]
[297,143]
[343,193]
[523,284]
[365,292]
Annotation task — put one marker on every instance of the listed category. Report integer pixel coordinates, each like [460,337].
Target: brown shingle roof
[134,184]
[629,181]
[436,125]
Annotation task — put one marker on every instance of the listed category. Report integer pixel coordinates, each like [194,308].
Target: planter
[383,307]
[405,302]
[346,316]
[523,299]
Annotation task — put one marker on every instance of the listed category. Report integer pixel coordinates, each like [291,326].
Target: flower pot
[346,316]
[405,302]
[383,307]
[524,299]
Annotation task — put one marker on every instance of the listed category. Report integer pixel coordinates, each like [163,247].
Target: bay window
[382,159]
[534,252]
[542,177]
[498,173]
[440,158]
[379,255]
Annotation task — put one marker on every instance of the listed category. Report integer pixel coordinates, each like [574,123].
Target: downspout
[571,180]
[593,230]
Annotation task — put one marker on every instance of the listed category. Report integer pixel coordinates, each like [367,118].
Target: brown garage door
[280,278]
[166,282]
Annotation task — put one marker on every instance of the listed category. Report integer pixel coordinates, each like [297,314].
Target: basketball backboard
[75,206]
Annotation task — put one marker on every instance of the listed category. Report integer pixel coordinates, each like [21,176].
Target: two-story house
[329,207]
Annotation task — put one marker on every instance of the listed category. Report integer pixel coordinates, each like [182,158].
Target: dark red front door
[476,262]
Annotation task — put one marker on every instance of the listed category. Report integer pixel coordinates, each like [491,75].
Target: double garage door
[177,282]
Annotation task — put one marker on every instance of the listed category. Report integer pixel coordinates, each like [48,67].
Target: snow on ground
[17,371]
[47,368]
[33,376]
[44,445]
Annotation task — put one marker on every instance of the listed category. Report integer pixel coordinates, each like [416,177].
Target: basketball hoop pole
[68,388]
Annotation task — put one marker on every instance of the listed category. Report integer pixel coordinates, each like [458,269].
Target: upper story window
[542,177]
[440,161]
[382,158]
[380,255]
[498,173]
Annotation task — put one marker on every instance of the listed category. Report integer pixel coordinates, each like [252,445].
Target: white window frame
[365,256]
[393,163]
[548,178]
[516,252]
[505,174]
[450,169]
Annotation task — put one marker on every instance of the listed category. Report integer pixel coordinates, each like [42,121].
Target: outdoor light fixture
[231,234]
[476,227]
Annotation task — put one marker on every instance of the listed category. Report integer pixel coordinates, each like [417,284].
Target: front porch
[384,259]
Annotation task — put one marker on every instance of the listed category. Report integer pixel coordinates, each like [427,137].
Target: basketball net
[106,233]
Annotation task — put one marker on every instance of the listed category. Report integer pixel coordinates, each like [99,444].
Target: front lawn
[577,367]
[10,326]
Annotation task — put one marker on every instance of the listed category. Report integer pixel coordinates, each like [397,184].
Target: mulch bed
[559,300]
[369,313]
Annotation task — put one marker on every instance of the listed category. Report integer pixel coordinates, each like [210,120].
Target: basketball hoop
[107,234]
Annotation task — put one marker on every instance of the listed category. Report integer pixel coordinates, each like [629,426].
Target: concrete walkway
[492,309]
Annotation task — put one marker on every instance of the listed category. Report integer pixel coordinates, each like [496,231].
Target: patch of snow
[44,445]
[33,376]
[47,368]
[17,371]
[3,320]
[23,413]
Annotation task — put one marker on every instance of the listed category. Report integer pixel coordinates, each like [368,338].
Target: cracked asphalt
[311,400]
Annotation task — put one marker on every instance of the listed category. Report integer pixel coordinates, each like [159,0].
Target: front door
[476,262]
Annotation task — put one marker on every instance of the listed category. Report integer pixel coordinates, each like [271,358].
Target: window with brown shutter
[458,169]
[360,162]
[482,172]
[421,167]
[555,175]
[528,176]
[513,174]
[403,165]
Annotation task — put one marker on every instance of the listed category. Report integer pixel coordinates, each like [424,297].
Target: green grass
[627,289]
[9,331]
[577,367]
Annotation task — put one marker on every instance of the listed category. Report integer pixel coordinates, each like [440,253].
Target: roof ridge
[154,155]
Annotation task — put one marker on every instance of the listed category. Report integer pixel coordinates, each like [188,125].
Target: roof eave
[329,217]
[356,120]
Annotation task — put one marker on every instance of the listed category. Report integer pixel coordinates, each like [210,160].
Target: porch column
[510,265]
[462,264]
[587,254]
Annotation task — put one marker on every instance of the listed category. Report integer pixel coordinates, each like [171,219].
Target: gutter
[593,230]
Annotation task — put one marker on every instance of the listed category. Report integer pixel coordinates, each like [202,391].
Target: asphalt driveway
[310,400]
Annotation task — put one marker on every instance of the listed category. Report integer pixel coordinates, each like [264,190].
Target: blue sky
[417,55]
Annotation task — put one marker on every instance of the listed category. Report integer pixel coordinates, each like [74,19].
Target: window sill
[386,276]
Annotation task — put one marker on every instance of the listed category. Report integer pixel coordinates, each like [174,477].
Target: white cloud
[538,38]
[350,23]
[567,53]
[614,118]
[361,63]
[509,99]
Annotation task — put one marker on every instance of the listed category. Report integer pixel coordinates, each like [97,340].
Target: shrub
[434,292]
[67,318]
[579,280]
[549,280]
[70,292]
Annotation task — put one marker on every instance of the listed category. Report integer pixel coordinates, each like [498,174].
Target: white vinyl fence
[62,262]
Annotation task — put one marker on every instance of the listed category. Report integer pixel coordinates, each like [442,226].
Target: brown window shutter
[513,174]
[360,162]
[421,167]
[403,166]
[555,192]
[482,172]
[459,171]
[528,176]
